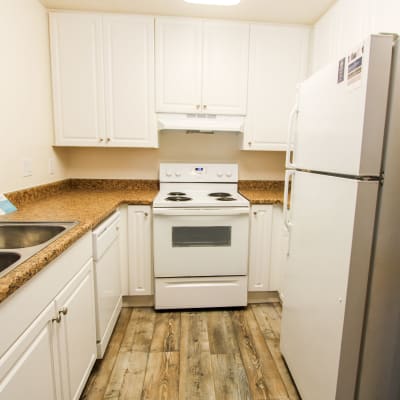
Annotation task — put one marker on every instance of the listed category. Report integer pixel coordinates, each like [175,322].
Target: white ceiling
[283,11]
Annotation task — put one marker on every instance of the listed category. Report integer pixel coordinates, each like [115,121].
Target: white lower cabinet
[53,354]
[76,331]
[140,251]
[265,258]
[29,368]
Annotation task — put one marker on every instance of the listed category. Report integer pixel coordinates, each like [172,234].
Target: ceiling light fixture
[215,2]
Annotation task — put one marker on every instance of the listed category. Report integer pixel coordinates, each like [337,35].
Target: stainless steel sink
[26,238]
[21,236]
[7,259]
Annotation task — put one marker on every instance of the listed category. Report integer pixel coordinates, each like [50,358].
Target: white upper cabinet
[77,79]
[225,67]
[129,80]
[278,62]
[178,64]
[201,66]
[103,79]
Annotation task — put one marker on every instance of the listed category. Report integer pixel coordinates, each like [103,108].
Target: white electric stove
[201,228]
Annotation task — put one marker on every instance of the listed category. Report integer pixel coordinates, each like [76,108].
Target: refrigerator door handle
[289,183]
[291,138]
[289,177]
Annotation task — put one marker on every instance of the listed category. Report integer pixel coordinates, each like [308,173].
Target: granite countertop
[89,202]
[262,192]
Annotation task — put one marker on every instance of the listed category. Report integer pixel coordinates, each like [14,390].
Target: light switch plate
[51,166]
[27,167]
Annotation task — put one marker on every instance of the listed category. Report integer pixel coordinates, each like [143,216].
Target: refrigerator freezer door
[331,230]
[341,113]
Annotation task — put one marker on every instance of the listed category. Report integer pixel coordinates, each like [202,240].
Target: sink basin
[21,236]
[27,238]
[7,259]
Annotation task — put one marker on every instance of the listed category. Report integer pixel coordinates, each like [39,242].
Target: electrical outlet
[51,166]
[27,167]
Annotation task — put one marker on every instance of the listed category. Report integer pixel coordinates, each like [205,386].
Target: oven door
[200,242]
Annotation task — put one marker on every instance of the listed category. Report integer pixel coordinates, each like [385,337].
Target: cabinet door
[77,332]
[140,250]
[29,369]
[278,249]
[225,67]
[77,79]
[260,248]
[178,65]
[278,62]
[129,81]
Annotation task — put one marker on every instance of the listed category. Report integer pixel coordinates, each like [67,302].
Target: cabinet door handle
[146,214]
[255,212]
[205,106]
[101,139]
[63,311]
[108,139]
[249,143]
[197,106]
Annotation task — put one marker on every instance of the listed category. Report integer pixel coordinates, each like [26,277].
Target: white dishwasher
[108,294]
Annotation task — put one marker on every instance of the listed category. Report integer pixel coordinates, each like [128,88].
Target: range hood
[200,122]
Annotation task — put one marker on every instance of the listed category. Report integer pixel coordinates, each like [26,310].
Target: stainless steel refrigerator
[340,326]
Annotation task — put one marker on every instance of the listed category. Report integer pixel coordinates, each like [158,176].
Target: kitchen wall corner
[26,122]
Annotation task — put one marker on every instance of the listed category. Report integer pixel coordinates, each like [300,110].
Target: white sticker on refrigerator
[355,67]
[341,70]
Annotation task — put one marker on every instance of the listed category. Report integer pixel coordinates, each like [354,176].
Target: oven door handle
[200,212]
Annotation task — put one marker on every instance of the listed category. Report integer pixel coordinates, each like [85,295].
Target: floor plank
[263,322]
[220,333]
[97,383]
[127,377]
[139,332]
[269,313]
[263,377]
[162,377]
[195,380]
[230,378]
[167,330]
[273,345]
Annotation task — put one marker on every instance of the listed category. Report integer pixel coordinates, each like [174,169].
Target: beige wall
[174,147]
[26,125]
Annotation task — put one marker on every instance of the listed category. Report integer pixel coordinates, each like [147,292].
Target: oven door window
[201,236]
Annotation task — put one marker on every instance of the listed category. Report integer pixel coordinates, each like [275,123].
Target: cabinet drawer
[105,235]
[201,292]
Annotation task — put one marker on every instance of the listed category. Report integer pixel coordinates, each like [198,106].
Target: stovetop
[199,198]
[199,185]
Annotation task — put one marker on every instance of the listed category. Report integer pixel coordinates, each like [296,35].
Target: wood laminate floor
[218,354]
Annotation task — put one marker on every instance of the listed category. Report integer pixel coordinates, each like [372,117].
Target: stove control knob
[220,174]
[229,174]
[177,174]
[168,173]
